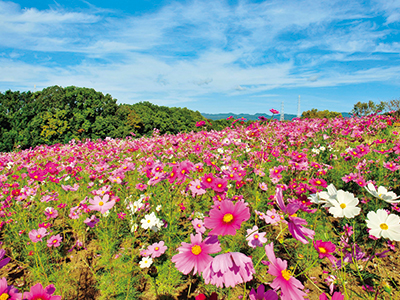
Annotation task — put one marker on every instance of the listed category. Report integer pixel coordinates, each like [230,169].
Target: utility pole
[282,114]
[298,108]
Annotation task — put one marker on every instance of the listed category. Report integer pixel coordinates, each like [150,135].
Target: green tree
[364,109]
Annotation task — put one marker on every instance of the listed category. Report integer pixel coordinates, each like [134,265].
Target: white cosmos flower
[383,224]
[344,205]
[149,221]
[328,197]
[382,193]
[145,262]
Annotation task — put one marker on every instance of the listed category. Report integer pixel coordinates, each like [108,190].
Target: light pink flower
[54,241]
[101,205]
[198,226]
[255,238]
[230,269]
[157,249]
[38,235]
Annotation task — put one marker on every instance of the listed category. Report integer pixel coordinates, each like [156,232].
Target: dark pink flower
[325,249]
[228,218]
[274,111]
[8,291]
[4,261]
[262,295]
[196,254]
[38,293]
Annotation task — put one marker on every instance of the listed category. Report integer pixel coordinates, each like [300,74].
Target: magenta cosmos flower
[38,293]
[196,254]
[8,291]
[262,295]
[226,219]
[325,249]
[38,235]
[336,296]
[230,269]
[290,286]
[101,205]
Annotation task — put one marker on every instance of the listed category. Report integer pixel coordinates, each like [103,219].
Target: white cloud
[184,51]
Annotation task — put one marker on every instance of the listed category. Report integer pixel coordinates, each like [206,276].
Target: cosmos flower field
[306,209]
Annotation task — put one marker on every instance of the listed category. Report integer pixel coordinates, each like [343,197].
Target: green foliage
[363,109]
[58,115]
[315,113]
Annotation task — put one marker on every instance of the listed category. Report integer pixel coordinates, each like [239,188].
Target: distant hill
[255,116]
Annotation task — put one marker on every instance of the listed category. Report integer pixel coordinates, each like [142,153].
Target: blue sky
[212,56]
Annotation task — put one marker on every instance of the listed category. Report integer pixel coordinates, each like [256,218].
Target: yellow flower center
[199,225]
[196,249]
[286,274]
[227,218]
[54,241]
[384,226]
[4,296]
[156,248]
[101,203]
[148,221]
[342,206]
[256,236]
[322,250]
[38,236]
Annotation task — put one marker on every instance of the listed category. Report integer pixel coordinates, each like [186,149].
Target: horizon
[209,56]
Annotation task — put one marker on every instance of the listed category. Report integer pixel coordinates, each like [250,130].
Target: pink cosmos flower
[392,166]
[10,292]
[228,218]
[157,249]
[101,205]
[262,295]
[295,224]
[50,213]
[196,254]
[289,285]
[37,292]
[255,238]
[196,188]
[230,269]
[141,186]
[208,180]
[325,249]
[54,241]
[219,185]
[37,235]
[198,226]
[274,111]
[263,186]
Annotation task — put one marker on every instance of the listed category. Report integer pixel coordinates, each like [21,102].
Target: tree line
[58,115]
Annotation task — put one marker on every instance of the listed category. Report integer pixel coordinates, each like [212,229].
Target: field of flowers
[276,210]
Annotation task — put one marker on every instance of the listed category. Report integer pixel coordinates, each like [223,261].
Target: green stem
[307,268]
